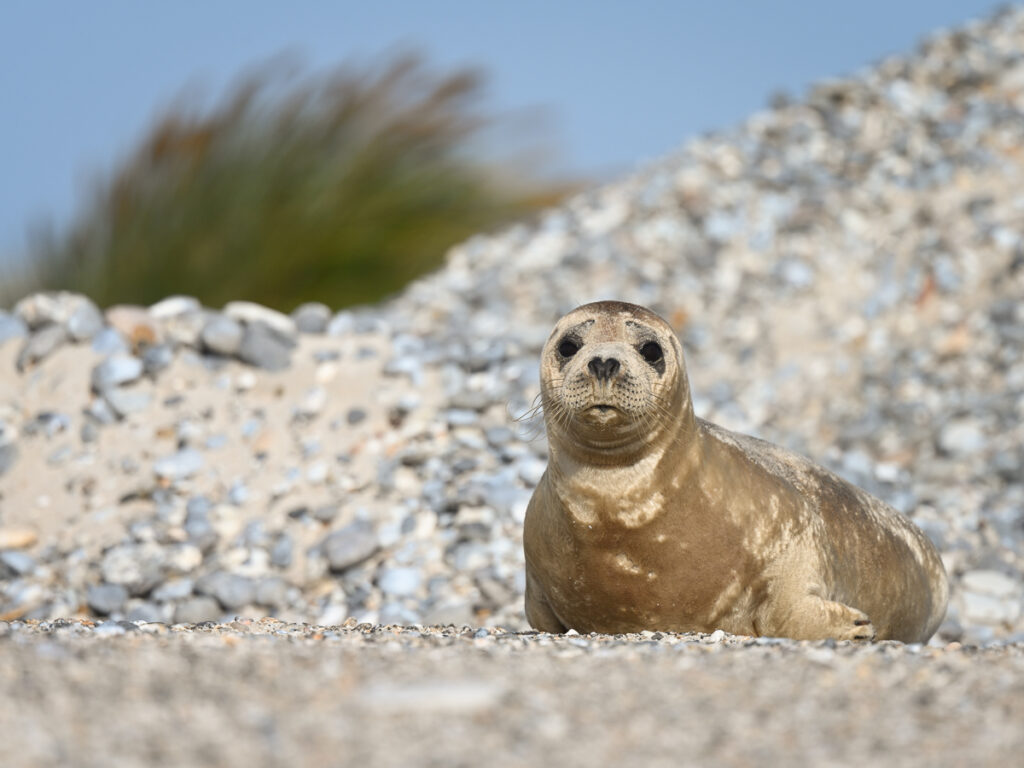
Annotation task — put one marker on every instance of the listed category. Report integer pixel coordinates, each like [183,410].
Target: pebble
[40,345]
[231,590]
[312,317]
[197,609]
[255,314]
[116,370]
[222,335]
[18,563]
[17,537]
[174,306]
[350,545]
[106,599]
[124,402]
[264,348]
[178,466]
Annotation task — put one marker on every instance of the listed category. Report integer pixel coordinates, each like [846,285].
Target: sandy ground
[267,693]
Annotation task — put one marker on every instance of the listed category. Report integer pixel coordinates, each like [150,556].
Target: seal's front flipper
[538,612]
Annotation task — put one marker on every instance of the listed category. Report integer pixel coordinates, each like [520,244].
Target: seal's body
[649,518]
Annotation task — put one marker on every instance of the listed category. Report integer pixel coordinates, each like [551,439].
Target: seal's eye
[651,352]
[568,348]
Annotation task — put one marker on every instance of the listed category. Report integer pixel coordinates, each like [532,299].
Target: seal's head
[612,376]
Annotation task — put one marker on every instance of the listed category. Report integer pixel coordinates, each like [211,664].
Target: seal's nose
[603,369]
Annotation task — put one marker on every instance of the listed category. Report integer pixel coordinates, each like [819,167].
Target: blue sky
[620,83]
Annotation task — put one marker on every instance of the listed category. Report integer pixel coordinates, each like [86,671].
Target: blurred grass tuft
[338,188]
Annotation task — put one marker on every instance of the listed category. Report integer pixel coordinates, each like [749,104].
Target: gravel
[266,692]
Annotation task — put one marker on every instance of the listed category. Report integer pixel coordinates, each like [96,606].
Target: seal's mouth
[601,414]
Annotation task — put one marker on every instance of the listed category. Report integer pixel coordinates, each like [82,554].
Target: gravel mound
[846,274]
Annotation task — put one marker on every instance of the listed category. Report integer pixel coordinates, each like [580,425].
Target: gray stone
[231,590]
[251,313]
[108,341]
[400,582]
[116,370]
[986,609]
[179,466]
[962,437]
[106,598]
[146,612]
[8,455]
[197,609]
[264,348]
[136,567]
[85,320]
[281,552]
[222,335]
[40,345]
[173,589]
[312,317]
[272,592]
[156,358]
[124,402]
[173,306]
[992,583]
[101,412]
[18,563]
[350,546]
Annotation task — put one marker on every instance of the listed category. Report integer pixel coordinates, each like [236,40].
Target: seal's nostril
[603,369]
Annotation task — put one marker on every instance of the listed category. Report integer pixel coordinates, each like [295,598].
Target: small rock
[231,590]
[222,335]
[962,437]
[173,589]
[125,402]
[197,609]
[991,583]
[40,345]
[8,455]
[312,317]
[17,537]
[173,306]
[109,342]
[146,612]
[18,563]
[272,592]
[350,546]
[134,324]
[281,552]
[183,464]
[85,320]
[136,567]
[400,582]
[105,599]
[264,348]
[255,314]
[114,371]
[156,358]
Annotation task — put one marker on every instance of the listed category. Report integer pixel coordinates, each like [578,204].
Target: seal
[648,518]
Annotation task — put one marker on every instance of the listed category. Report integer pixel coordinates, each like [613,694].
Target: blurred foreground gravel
[266,693]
